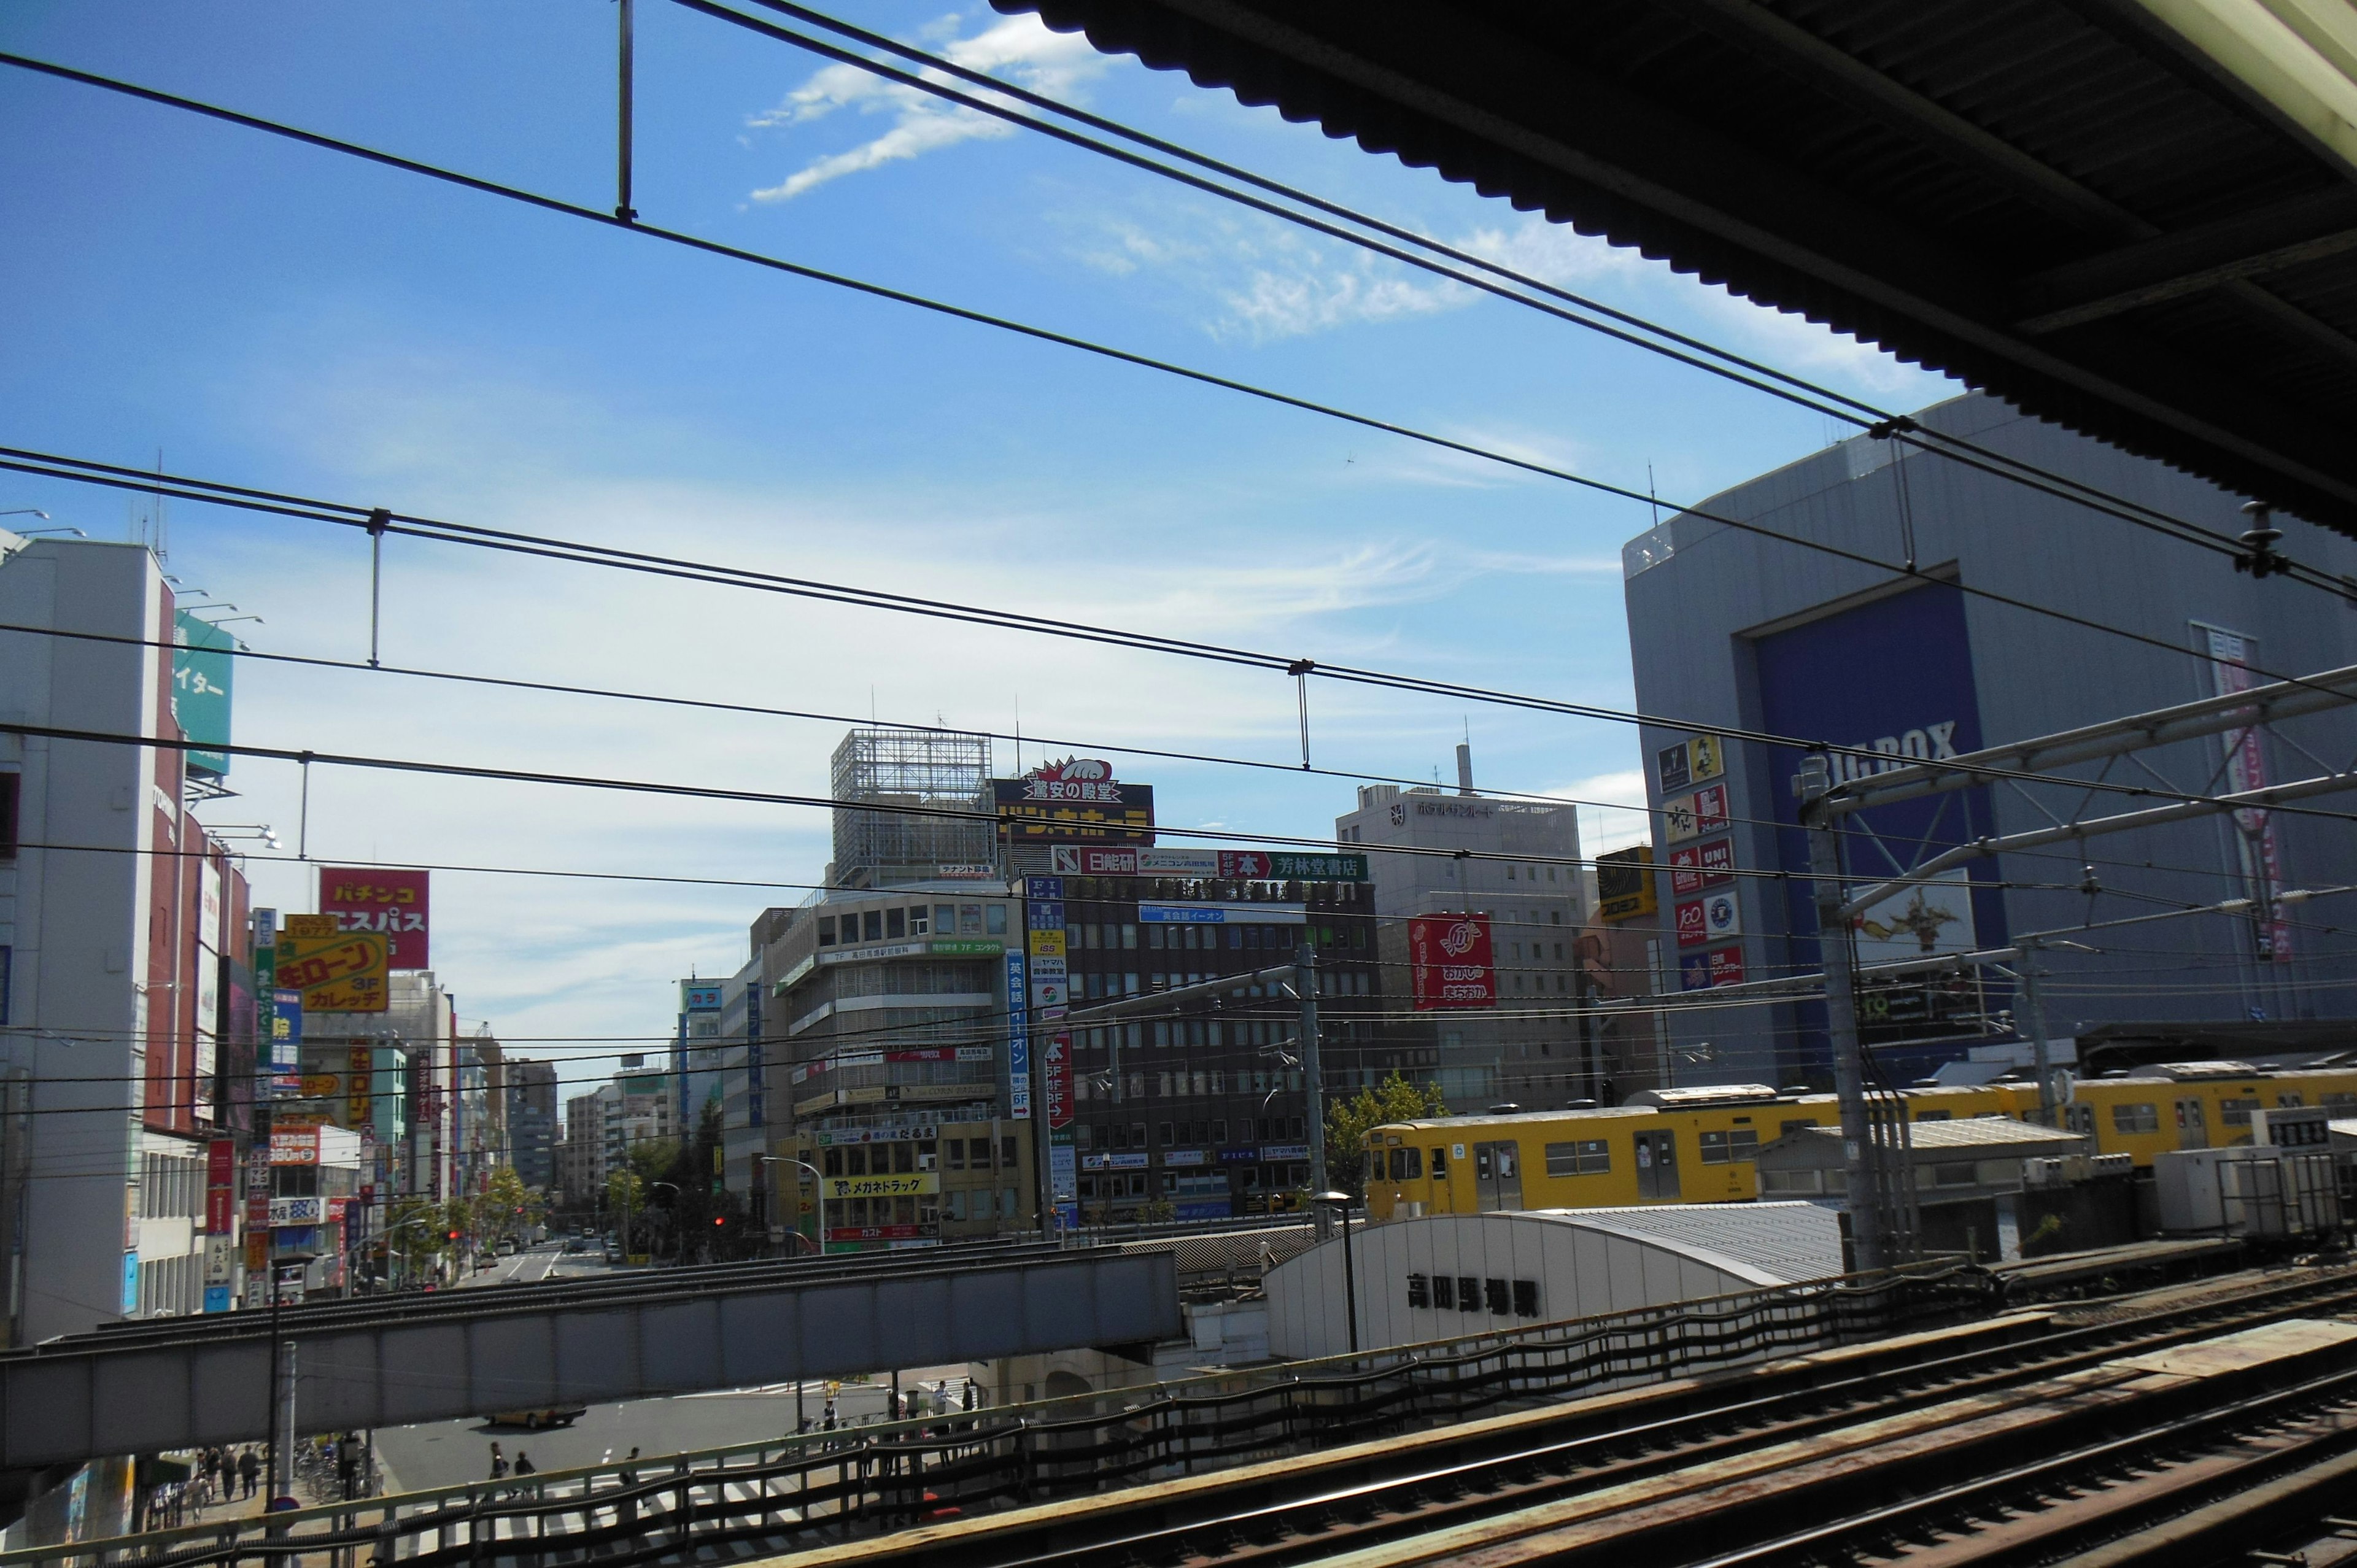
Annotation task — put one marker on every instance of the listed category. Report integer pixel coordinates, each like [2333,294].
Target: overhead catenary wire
[576,210]
[579,552]
[1681,348]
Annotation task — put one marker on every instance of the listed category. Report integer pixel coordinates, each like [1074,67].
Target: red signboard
[221,1187]
[1695,866]
[294,1146]
[393,902]
[880,1232]
[1711,811]
[1449,962]
[1055,1067]
[1726,966]
[1693,926]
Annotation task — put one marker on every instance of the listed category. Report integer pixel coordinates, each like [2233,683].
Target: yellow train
[1696,1145]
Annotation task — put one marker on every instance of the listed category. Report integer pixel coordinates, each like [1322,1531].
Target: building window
[1793,1181]
[919,920]
[957,1155]
[1006,1153]
[826,930]
[872,924]
[994,920]
[2142,1117]
[896,923]
[12,787]
[1726,1148]
[944,919]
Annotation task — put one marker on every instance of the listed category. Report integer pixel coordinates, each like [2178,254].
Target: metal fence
[839,1485]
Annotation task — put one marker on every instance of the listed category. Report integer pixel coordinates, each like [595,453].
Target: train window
[1444,1291]
[2236,1112]
[1500,1300]
[2290,1100]
[1935,1116]
[1589,1156]
[1419,1291]
[2080,1119]
[1724,1148]
[1526,1298]
[1407,1165]
[1440,1164]
[2337,1101]
[1786,1128]
[2141,1117]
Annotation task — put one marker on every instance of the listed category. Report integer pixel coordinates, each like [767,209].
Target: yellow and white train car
[1696,1145]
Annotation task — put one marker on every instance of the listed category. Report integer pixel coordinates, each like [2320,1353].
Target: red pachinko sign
[221,1187]
[393,902]
[1449,962]
[1057,1069]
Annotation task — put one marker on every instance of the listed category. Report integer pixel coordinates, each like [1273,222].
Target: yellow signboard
[883,1186]
[341,972]
[1707,761]
[320,1085]
[1624,883]
[358,1083]
[309,926]
[1048,943]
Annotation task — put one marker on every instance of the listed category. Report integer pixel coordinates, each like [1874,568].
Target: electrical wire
[1672,345]
[379,521]
[610,220]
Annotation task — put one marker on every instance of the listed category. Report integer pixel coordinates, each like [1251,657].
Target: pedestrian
[498,1462]
[209,1469]
[524,1463]
[248,1470]
[630,1468]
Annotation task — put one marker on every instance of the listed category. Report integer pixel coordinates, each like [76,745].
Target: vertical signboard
[360,1084]
[2246,768]
[203,664]
[1056,1078]
[391,904]
[756,1073]
[1018,1040]
[1450,962]
[1892,682]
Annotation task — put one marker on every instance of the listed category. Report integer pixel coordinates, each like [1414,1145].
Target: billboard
[1695,866]
[1076,801]
[203,664]
[1450,962]
[1231,864]
[340,972]
[1624,883]
[1056,1076]
[1697,759]
[1891,681]
[392,903]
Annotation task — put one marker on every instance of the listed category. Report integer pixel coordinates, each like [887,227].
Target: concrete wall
[1580,1273]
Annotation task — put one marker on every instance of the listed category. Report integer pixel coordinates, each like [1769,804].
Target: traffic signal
[453,1235]
[717,1220]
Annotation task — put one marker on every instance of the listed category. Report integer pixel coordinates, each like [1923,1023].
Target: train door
[2192,1130]
[1497,1177]
[1657,1165]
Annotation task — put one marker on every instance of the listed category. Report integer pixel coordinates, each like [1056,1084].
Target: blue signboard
[1203,1208]
[1039,887]
[130,1283]
[217,1298]
[755,1097]
[1891,684]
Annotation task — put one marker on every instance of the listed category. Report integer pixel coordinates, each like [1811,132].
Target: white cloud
[1614,815]
[1021,48]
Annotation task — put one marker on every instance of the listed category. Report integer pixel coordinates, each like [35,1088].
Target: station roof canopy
[2136,218]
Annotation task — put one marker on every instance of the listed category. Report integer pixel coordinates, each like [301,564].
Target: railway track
[2018,1441]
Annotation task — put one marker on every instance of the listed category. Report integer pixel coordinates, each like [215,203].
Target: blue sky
[280,316]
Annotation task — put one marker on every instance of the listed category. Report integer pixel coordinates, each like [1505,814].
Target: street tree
[1347,1122]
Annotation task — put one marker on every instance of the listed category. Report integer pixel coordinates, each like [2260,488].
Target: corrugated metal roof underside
[2062,203]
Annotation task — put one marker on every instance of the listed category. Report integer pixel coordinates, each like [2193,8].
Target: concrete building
[1735,631]
[581,1152]
[1454,1275]
[126,966]
[1534,1048]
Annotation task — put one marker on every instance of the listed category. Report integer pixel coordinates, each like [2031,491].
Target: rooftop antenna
[1653,495]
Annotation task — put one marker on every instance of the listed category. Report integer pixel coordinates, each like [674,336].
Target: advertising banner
[1688,918]
[204,668]
[221,1187]
[1077,801]
[1048,943]
[392,904]
[1694,760]
[293,1146]
[1056,1079]
[298,1211]
[1018,1041]
[344,971]
[1624,883]
[1696,866]
[879,1232]
[911,1186]
[2246,768]
[1450,962]
[1232,864]
[1892,682]
[360,1078]
[1222,914]
[284,1057]
[1704,971]
[1063,1180]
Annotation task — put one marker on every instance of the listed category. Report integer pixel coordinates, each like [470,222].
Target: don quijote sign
[1450,961]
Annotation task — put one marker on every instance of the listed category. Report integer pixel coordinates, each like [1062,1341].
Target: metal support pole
[2034,1010]
[282,1458]
[1863,1200]
[622,208]
[1313,1077]
[1350,1280]
[270,1444]
[377,522]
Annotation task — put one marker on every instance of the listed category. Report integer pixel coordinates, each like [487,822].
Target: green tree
[626,1202]
[501,1209]
[1347,1122]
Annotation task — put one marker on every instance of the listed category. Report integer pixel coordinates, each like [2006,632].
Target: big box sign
[1450,963]
[393,903]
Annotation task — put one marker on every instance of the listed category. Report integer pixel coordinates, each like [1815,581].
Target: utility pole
[1313,1079]
[2033,1009]
[1868,1233]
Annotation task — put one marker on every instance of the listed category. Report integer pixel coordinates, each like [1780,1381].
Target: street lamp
[818,1183]
[1339,1203]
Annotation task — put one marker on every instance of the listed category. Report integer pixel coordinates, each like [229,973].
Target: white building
[1524,1050]
[1451,1276]
[121,925]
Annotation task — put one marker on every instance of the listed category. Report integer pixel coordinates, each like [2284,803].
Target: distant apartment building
[532,1121]
[1515,862]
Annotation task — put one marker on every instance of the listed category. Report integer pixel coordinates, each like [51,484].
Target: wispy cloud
[1021,48]
[1613,815]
